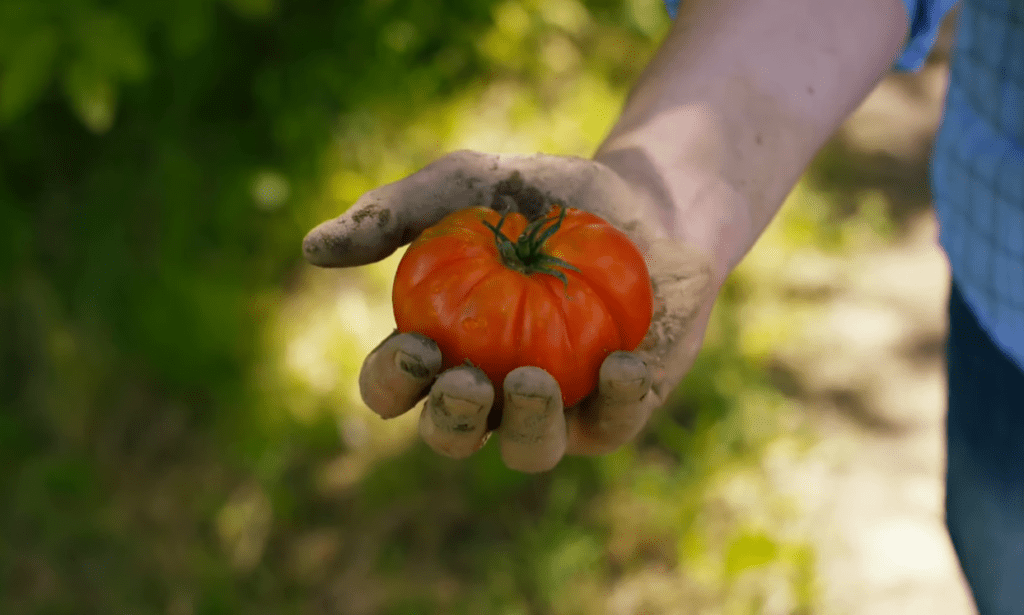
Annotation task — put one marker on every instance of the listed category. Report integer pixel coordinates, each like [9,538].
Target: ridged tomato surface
[454,286]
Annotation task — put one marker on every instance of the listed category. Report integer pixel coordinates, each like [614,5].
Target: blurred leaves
[90,49]
[253,9]
[92,97]
[27,72]
[750,550]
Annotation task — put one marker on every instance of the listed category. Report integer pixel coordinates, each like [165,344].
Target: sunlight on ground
[326,332]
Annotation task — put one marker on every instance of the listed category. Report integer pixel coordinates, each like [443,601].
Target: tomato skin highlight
[454,286]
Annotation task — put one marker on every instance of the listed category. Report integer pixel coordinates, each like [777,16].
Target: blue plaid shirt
[978,162]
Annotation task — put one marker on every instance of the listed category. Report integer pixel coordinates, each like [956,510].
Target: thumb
[384,219]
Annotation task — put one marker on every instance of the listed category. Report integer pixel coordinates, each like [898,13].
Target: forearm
[737,101]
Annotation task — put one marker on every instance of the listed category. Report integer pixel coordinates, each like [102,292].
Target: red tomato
[561,293]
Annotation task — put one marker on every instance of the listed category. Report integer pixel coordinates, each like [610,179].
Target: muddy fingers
[532,433]
[396,374]
[454,419]
[617,412]
[533,428]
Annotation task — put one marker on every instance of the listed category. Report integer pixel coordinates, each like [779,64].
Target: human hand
[533,429]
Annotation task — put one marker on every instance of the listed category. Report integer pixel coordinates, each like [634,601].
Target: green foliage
[152,228]
[91,49]
[27,72]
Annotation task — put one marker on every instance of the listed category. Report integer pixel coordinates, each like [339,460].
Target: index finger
[384,219]
[388,217]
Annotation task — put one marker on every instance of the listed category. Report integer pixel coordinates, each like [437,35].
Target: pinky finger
[616,414]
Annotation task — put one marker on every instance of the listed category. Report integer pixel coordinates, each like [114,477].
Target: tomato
[560,293]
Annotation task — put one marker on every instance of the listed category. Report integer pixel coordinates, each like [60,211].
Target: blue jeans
[985,470]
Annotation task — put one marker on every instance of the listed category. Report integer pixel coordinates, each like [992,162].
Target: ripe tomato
[560,293]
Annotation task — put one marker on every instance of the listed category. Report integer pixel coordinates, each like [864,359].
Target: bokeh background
[180,428]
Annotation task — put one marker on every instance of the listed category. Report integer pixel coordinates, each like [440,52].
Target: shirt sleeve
[924,17]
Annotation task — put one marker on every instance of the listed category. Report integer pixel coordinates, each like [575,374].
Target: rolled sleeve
[925,18]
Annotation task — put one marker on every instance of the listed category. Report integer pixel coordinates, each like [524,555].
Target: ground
[871,365]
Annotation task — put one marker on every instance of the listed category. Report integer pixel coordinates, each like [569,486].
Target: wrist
[691,205]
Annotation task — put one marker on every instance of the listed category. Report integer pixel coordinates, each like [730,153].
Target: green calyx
[527,254]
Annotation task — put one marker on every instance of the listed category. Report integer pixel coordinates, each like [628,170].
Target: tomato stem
[527,255]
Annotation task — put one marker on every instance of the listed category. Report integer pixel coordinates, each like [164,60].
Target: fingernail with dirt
[454,419]
[396,374]
[532,433]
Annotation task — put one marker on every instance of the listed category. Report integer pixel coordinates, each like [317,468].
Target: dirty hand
[534,430]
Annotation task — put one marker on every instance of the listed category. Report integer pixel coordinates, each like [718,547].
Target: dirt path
[873,486]
[872,366]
